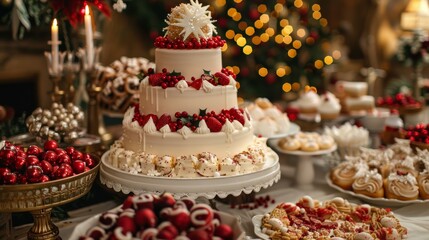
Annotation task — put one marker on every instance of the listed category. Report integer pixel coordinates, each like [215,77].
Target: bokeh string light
[276,42]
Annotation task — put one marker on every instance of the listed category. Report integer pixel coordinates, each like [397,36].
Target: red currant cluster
[257,203]
[164,79]
[399,100]
[214,121]
[149,216]
[213,42]
[418,133]
[35,165]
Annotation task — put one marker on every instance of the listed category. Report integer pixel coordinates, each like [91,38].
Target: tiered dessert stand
[40,198]
[125,182]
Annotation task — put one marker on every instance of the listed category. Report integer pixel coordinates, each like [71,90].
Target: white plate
[381,202]
[293,129]
[274,144]
[82,228]
[209,187]
[257,222]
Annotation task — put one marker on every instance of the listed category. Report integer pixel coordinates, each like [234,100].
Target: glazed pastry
[344,174]
[325,142]
[310,146]
[371,184]
[423,183]
[290,144]
[401,187]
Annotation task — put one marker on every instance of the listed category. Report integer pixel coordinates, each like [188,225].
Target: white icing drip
[247,121]
[151,95]
[128,117]
[207,86]
[237,125]
[147,93]
[182,85]
[156,100]
[228,128]
[165,93]
[202,128]
[164,130]
[149,127]
[185,131]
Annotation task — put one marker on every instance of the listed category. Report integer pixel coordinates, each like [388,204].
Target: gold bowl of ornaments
[59,123]
[36,179]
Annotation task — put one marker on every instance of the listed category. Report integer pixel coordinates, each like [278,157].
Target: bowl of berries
[418,136]
[35,179]
[404,103]
[148,216]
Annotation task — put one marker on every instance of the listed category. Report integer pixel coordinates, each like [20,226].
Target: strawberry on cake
[188,108]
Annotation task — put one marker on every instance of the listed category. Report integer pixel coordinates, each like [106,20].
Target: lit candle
[54,46]
[89,40]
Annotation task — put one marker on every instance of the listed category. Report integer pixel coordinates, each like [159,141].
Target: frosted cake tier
[190,63]
[160,101]
[174,144]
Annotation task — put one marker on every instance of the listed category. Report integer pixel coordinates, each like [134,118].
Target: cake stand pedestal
[209,188]
[40,198]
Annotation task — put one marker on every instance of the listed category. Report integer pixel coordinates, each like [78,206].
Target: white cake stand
[304,174]
[125,182]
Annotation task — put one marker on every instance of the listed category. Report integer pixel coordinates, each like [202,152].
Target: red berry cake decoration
[149,216]
[203,121]
[166,79]
[36,164]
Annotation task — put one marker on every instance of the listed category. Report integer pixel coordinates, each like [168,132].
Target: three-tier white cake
[188,123]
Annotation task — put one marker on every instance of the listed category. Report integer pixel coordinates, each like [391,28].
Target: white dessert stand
[125,182]
[293,129]
[304,174]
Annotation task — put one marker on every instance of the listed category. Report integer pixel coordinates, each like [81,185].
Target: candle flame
[86,10]
[54,23]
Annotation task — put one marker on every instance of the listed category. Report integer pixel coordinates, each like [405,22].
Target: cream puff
[423,183]
[401,187]
[344,174]
[371,184]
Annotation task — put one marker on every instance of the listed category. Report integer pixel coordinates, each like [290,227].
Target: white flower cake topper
[188,21]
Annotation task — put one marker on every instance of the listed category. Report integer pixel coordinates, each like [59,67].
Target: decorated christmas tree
[275,46]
